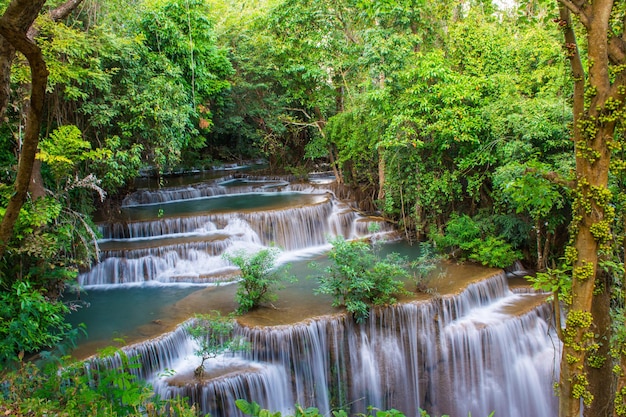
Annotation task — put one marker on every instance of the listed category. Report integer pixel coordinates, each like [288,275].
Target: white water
[454,354]
[190,249]
[406,357]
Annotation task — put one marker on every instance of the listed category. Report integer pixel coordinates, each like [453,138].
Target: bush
[357,278]
[29,322]
[67,389]
[470,239]
[259,280]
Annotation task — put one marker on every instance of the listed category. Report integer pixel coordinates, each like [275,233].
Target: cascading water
[186,244]
[477,348]
[429,355]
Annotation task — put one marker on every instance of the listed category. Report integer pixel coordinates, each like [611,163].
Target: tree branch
[617,50]
[64,10]
[577,9]
[553,177]
[58,13]
[298,110]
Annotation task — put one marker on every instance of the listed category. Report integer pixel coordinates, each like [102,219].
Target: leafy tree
[478,241]
[259,278]
[183,33]
[358,278]
[524,189]
[14,25]
[213,334]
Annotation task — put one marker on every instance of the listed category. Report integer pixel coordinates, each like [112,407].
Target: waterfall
[452,354]
[189,249]
[222,186]
[477,349]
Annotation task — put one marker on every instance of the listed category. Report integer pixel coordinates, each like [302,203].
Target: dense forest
[493,131]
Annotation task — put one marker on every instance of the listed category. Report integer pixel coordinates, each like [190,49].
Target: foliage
[213,335]
[29,322]
[49,244]
[62,150]
[253,409]
[66,388]
[259,279]
[555,281]
[425,263]
[121,164]
[358,278]
[470,239]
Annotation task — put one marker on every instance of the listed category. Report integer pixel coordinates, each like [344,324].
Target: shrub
[67,389]
[29,322]
[470,239]
[259,279]
[357,278]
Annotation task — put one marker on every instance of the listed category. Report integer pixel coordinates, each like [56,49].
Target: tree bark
[381,173]
[593,130]
[36,188]
[14,25]
[7,54]
[19,15]
[601,377]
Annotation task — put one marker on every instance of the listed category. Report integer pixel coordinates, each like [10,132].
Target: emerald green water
[136,312]
[118,312]
[228,203]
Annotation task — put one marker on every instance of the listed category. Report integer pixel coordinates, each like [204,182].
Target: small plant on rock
[213,334]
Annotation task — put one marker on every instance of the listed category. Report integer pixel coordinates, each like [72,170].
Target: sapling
[259,278]
[214,335]
[422,267]
[358,277]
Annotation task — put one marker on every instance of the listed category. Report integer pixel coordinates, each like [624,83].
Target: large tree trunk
[36,188]
[593,130]
[14,25]
[601,377]
[17,33]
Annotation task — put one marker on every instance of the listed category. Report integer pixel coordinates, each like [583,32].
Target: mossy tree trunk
[598,105]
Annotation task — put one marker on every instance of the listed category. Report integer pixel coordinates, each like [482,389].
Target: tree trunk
[17,34]
[36,188]
[593,130]
[381,173]
[7,54]
[601,378]
[14,24]
[540,260]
